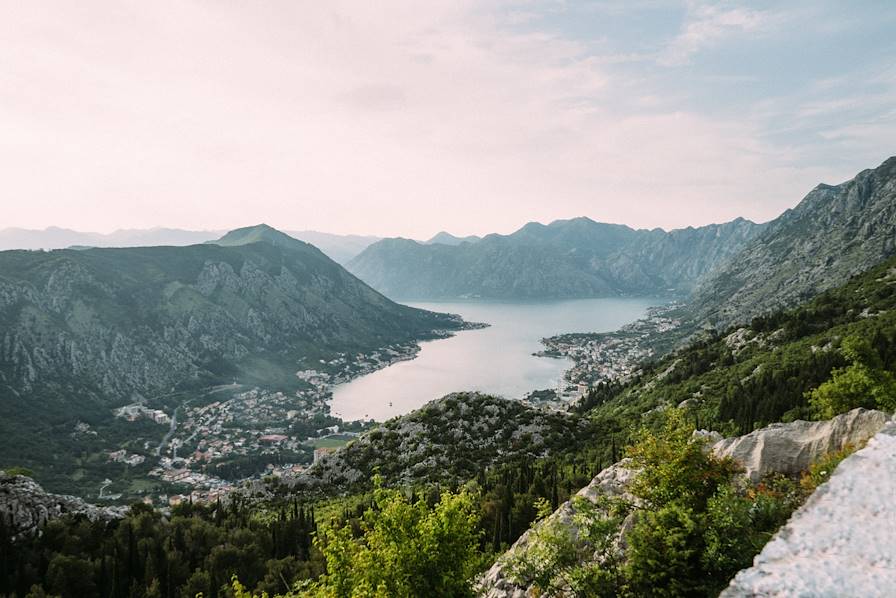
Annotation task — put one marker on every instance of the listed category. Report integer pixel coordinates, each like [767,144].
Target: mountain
[261,233]
[449,440]
[340,248]
[445,238]
[84,331]
[567,258]
[835,232]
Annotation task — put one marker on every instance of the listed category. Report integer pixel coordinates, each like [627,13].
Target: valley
[448,300]
[501,360]
[255,373]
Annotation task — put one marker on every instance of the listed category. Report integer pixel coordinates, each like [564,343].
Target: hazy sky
[404,118]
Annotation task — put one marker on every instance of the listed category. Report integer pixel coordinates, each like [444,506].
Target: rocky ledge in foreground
[25,507]
[842,542]
[779,448]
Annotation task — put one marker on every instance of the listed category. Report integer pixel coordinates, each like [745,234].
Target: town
[221,438]
[600,357]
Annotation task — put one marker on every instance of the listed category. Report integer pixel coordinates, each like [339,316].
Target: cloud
[385,119]
[707,24]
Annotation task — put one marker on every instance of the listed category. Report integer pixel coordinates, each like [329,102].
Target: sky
[406,118]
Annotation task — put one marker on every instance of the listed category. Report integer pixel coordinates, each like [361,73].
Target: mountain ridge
[89,330]
[835,232]
[563,259]
[340,248]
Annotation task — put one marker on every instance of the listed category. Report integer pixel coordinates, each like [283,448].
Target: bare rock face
[25,507]
[842,542]
[791,448]
[834,233]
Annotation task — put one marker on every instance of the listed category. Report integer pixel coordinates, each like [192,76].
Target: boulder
[790,448]
[612,482]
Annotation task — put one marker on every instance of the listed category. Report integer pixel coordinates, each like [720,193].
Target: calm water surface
[497,360]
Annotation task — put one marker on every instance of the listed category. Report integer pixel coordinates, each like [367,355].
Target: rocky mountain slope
[760,373]
[835,232]
[450,439]
[567,258]
[25,507]
[83,331]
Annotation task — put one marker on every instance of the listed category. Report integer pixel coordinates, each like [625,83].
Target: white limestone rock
[612,482]
[842,542]
[791,448]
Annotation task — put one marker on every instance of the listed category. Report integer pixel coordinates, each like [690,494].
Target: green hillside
[86,331]
[747,377]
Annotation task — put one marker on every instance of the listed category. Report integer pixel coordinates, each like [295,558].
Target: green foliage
[692,525]
[745,378]
[864,383]
[820,471]
[665,547]
[560,562]
[674,468]
[145,555]
[738,523]
[407,549]
[728,517]
[19,471]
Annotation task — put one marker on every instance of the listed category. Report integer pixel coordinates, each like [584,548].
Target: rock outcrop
[780,448]
[612,482]
[842,542]
[25,507]
[791,448]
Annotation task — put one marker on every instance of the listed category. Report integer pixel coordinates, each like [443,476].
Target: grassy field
[333,441]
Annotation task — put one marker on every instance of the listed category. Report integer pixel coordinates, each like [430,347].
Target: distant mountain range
[82,331]
[730,271]
[567,258]
[340,248]
[444,238]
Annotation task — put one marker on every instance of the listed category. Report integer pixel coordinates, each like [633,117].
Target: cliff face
[835,232]
[25,507]
[780,448]
[792,448]
[842,542]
